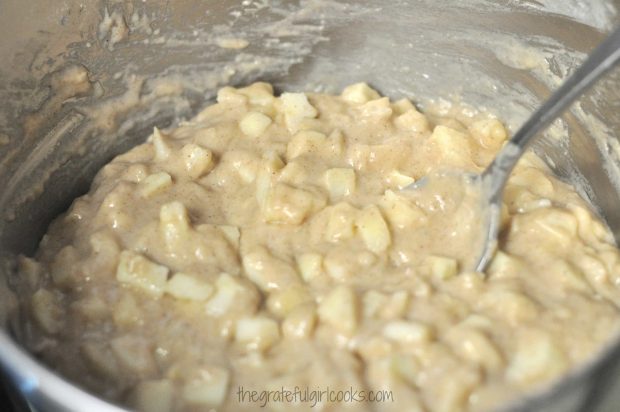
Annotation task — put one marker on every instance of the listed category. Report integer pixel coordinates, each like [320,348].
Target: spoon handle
[494,178]
[599,62]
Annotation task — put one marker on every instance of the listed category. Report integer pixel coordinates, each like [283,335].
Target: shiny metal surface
[505,56]
[493,180]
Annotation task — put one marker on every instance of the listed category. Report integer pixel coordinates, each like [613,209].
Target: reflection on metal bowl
[81,83]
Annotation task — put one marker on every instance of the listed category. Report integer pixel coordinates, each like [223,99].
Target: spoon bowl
[493,180]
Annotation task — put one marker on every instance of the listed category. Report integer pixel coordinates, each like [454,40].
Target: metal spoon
[494,178]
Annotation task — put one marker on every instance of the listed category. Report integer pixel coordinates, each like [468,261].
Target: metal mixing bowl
[158,62]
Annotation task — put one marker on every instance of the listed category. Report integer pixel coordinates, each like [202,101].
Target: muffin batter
[268,245]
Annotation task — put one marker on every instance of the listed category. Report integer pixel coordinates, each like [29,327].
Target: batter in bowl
[264,254]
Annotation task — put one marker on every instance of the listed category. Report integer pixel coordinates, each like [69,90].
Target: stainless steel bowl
[155,63]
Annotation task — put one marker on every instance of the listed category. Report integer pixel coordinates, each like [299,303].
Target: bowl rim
[46,389]
[43,388]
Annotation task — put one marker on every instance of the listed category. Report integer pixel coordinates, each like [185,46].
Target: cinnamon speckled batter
[267,243]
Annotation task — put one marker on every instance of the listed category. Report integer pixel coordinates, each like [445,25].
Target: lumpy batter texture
[269,245]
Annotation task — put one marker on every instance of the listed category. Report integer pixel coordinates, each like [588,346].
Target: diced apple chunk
[174,223]
[136,173]
[412,120]
[408,332]
[296,107]
[230,95]
[282,302]
[377,110]
[402,106]
[133,353]
[300,322]
[137,271]
[453,146]
[232,234]
[257,333]
[535,180]
[373,229]
[46,311]
[174,213]
[339,309]
[62,268]
[306,141]
[294,173]
[267,271]
[161,145]
[376,347]
[372,302]
[513,307]
[259,93]
[340,266]
[154,184]
[473,345]
[271,161]
[153,396]
[254,124]
[504,265]
[229,293]
[400,211]
[208,391]
[340,222]
[399,180]
[198,160]
[396,305]
[440,267]
[270,165]
[309,265]
[184,286]
[537,358]
[105,249]
[489,132]
[359,93]
[406,367]
[245,163]
[289,205]
[340,182]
